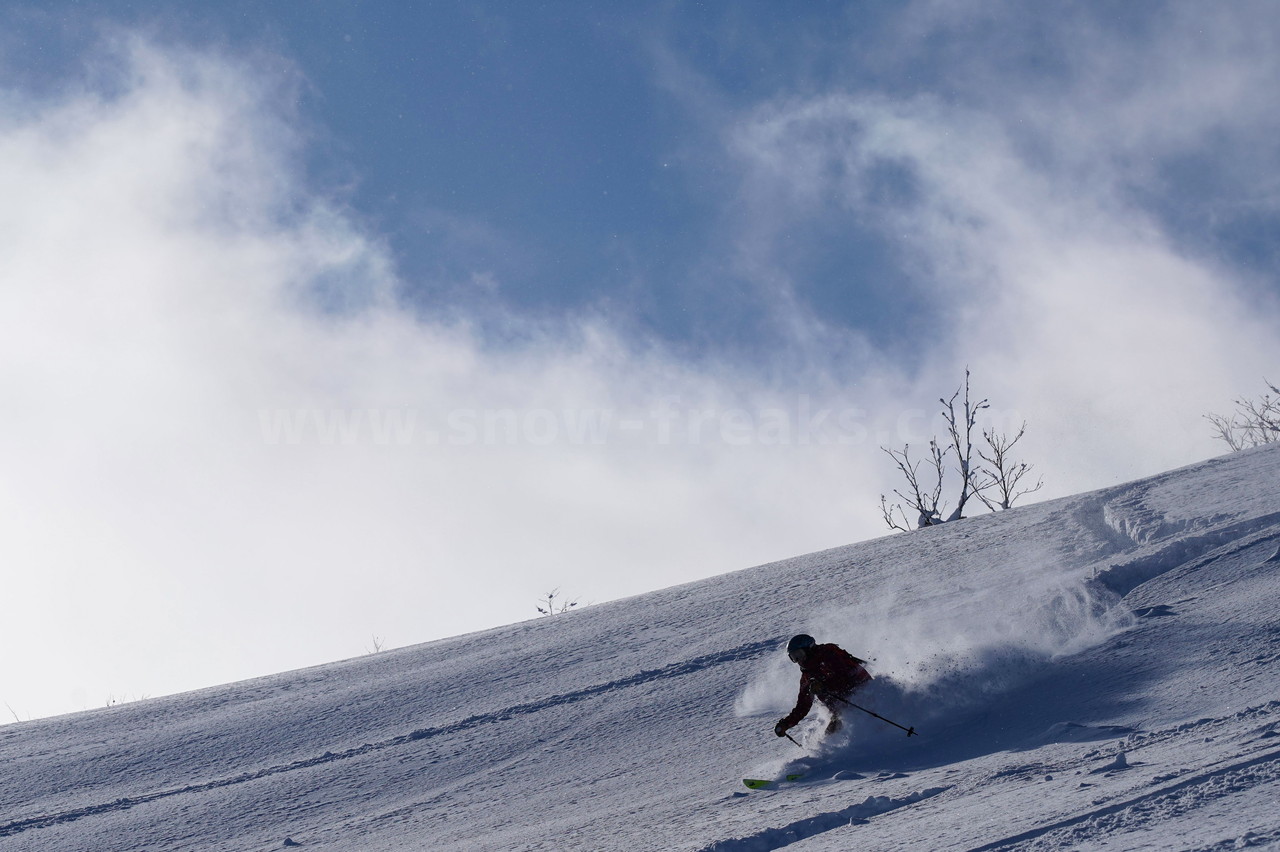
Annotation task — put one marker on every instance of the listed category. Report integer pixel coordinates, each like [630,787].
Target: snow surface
[1097,671]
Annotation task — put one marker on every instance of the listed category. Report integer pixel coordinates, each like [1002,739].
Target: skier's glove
[781,728]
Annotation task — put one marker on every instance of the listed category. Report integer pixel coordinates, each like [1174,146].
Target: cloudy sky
[329,324]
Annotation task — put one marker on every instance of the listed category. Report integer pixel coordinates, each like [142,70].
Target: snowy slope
[1098,670]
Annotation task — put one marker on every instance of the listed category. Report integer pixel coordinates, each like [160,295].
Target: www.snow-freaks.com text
[804,423]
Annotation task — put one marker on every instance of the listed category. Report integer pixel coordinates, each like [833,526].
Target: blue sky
[571,155]
[330,320]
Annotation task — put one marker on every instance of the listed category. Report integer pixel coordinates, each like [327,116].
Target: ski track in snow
[776,838]
[1097,671]
[675,670]
[1170,801]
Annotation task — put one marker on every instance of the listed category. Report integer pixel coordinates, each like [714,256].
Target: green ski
[765,783]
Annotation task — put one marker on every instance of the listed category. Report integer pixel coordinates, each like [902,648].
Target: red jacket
[828,671]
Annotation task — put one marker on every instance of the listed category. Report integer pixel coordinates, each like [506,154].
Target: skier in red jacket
[828,673]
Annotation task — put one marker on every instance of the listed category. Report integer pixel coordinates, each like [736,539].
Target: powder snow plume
[953,653]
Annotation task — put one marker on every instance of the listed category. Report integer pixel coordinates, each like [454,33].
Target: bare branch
[886,512]
[962,443]
[1255,422]
[1227,431]
[924,501]
[1004,474]
[551,607]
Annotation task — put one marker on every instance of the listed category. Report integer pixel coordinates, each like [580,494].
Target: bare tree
[924,501]
[1254,423]
[999,489]
[550,606]
[962,443]
[990,475]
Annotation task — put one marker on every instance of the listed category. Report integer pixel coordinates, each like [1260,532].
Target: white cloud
[227,451]
[1033,233]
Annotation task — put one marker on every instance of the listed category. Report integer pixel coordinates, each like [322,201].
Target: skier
[828,673]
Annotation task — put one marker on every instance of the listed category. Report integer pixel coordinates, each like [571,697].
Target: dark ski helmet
[800,642]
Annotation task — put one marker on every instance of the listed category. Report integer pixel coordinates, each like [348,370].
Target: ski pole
[793,739]
[910,731]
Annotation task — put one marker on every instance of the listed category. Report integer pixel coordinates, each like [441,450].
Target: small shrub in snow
[550,606]
[1254,423]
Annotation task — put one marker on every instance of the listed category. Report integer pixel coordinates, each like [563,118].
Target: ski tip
[756,783]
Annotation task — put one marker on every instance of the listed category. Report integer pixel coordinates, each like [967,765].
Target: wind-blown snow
[1101,668]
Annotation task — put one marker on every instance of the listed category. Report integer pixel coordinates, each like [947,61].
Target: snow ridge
[1123,577]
